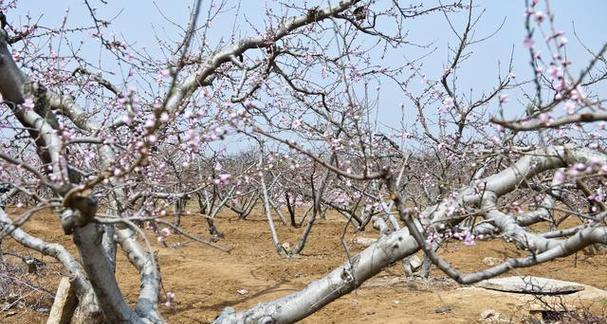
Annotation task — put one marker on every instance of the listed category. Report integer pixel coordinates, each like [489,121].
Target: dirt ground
[206,280]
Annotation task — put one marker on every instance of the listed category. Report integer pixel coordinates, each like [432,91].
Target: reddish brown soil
[205,280]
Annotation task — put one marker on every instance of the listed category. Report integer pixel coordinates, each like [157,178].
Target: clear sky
[140,22]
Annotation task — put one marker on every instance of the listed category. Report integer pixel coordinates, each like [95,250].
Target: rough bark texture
[339,282]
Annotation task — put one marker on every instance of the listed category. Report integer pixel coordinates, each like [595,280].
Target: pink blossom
[448,102]
[539,17]
[150,123]
[469,239]
[170,298]
[224,178]
[16,56]
[165,73]
[555,72]
[580,166]
[296,123]
[28,103]
[528,42]
[570,107]
[164,117]
[577,93]
[126,119]
[503,98]
[165,232]
[544,117]
[600,195]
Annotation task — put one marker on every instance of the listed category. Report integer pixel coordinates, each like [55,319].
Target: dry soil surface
[205,280]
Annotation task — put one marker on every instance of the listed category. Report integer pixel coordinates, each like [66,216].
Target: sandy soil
[205,280]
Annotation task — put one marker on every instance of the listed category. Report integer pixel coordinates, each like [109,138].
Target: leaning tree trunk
[339,282]
[409,240]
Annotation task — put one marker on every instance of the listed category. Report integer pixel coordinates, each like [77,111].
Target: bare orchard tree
[466,179]
[111,157]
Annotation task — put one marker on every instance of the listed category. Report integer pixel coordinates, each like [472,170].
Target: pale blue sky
[140,21]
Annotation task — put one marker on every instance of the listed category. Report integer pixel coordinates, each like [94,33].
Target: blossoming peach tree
[111,156]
